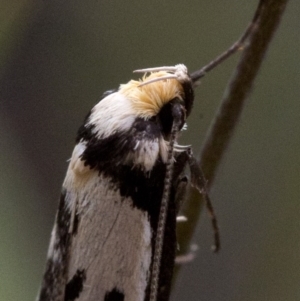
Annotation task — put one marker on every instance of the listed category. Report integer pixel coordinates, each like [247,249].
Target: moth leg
[200,183]
[180,180]
[180,197]
[181,192]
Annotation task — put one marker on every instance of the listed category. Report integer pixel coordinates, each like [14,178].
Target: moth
[114,236]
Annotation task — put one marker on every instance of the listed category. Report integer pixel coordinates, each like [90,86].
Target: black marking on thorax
[107,155]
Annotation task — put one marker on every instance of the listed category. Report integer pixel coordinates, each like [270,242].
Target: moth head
[157,88]
[134,124]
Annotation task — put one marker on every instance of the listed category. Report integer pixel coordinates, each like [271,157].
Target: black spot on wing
[75,286]
[56,267]
[114,295]
[146,190]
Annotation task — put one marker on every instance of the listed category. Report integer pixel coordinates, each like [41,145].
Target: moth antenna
[156,69]
[159,240]
[171,76]
[180,72]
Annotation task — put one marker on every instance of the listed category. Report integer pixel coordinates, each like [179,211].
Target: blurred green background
[56,59]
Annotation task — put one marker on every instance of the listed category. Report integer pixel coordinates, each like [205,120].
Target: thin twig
[238,45]
[240,86]
[264,24]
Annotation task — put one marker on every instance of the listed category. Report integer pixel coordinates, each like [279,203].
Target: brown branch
[263,26]
[238,45]
[239,87]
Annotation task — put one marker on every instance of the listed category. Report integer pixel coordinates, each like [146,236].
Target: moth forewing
[103,242]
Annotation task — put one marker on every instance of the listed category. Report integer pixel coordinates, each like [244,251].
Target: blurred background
[56,59]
